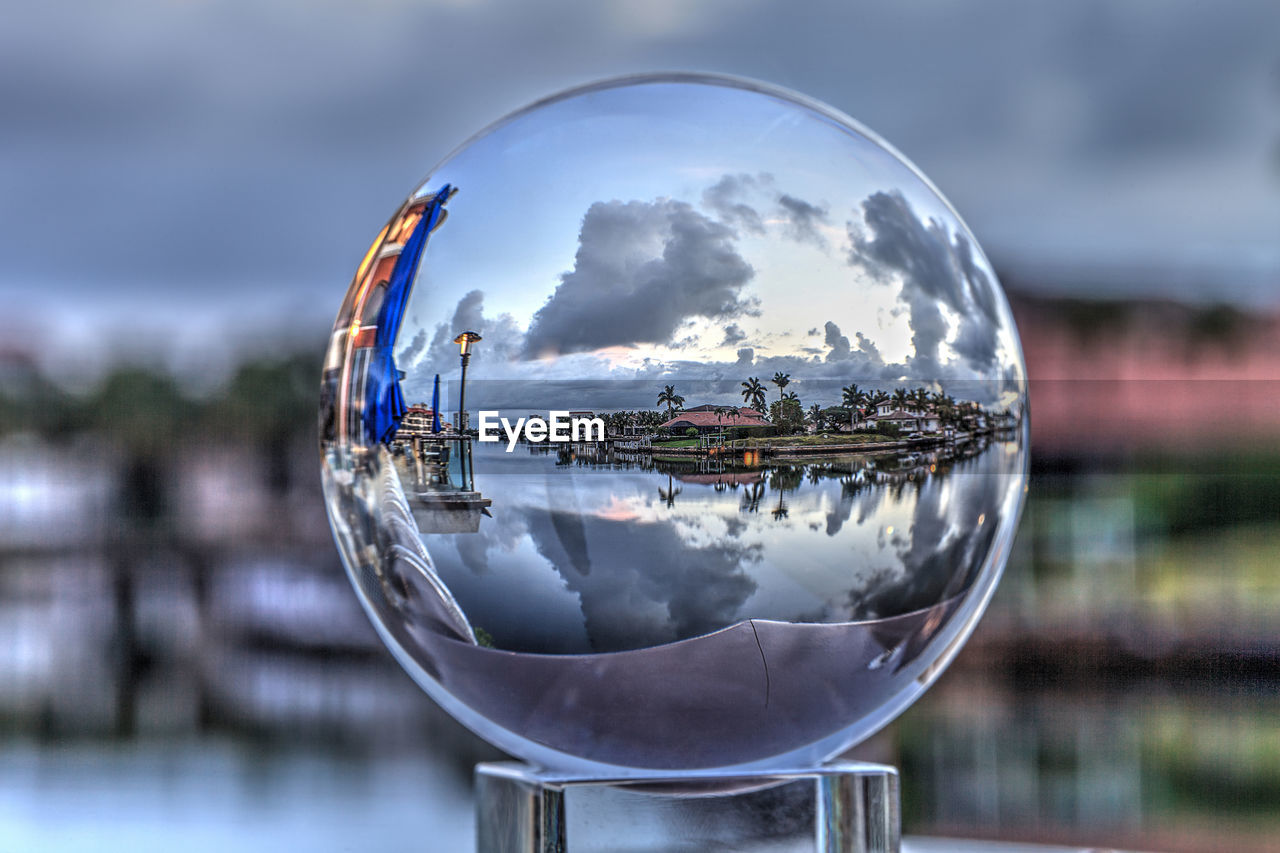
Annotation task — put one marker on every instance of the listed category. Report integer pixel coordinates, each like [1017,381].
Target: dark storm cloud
[641,270]
[976,340]
[733,335]
[937,269]
[802,220]
[726,199]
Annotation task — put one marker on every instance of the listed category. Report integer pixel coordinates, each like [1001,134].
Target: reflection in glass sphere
[674,423]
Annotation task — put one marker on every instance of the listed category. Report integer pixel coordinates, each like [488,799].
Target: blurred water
[216,794]
[207,681]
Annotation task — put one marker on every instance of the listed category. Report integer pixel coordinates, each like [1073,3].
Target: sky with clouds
[832,262]
[208,165]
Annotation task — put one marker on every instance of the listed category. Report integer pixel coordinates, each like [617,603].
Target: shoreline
[795,450]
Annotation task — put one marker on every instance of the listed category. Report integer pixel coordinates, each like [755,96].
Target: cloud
[641,269]
[415,347]
[724,198]
[501,335]
[839,343]
[937,270]
[729,199]
[868,346]
[746,356]
[733,334]
[802,220]
[865,359]
[976,340]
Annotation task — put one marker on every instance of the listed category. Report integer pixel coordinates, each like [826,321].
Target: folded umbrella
[384,405]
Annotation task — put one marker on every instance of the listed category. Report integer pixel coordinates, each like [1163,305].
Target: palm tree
[790,395]
[947,405]
[900,397]
[753,393]
[921,398]
[815,417]
[781,380]
[671,399]
[852,396]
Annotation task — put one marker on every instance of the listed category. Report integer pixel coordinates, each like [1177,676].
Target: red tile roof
[711,419]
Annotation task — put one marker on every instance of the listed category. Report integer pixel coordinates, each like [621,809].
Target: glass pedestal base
[843,807]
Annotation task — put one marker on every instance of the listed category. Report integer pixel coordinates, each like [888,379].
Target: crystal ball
[674,424]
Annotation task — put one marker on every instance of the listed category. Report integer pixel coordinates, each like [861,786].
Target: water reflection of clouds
[594,559]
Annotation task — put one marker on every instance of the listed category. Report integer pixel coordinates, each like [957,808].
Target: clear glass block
[840,808]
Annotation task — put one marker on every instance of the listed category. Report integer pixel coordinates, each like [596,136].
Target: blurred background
[186,189]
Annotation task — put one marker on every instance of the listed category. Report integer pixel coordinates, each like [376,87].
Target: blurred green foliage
[146,410]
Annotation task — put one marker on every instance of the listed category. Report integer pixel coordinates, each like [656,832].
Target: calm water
[698,612]
[595,551]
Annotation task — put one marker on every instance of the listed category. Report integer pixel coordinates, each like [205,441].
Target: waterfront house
[907,419]
[705,419]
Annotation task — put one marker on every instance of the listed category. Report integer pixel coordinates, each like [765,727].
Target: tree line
[856,405]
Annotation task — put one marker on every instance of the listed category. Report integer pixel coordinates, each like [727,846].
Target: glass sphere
[674,424]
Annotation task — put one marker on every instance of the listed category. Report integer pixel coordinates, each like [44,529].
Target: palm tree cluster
[617,422]
[855,401]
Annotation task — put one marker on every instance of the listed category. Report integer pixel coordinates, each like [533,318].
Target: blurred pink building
[1149,375]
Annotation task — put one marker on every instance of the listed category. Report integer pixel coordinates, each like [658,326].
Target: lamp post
[465,340]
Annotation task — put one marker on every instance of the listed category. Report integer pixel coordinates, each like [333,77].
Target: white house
[907,419]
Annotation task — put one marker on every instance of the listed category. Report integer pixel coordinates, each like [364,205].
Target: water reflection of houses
[722,479]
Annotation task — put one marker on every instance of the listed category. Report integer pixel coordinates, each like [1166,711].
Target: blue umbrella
[384,401]
[435,406]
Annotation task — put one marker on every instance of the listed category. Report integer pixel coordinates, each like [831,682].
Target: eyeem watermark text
[557,427]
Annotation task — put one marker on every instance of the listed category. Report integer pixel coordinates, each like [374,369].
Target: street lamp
[465,340]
